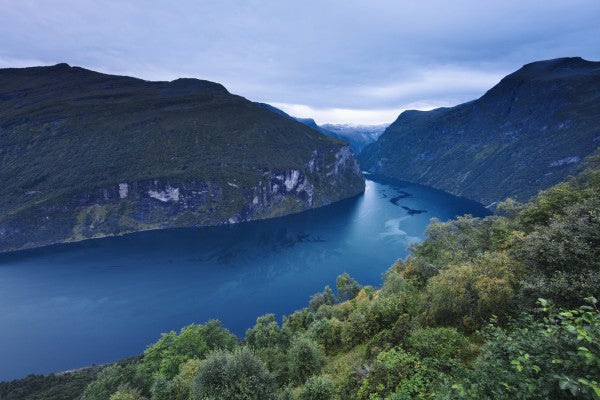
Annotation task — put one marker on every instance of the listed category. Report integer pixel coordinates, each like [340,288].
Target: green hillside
[527,133]
[85,155]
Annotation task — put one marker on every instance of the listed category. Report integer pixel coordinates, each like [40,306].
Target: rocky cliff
[85,155]
[527,133]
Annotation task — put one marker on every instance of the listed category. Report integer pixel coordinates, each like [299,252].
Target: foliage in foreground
[458,319]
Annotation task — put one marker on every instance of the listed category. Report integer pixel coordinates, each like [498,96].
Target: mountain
[527,133]
[85,154]
[357,136]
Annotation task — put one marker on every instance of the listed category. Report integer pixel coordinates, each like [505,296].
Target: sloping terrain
[84,154]
[527,133]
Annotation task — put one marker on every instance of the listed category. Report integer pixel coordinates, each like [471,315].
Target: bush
[108,381]
[305,358]
[183,383]
[440,343]
[327,333]
[553,358]
[471,293]
[126,393]
[265,333]
[347,287]
[319,299]
[396,371]
[193,341]
[318,388]
[236,375]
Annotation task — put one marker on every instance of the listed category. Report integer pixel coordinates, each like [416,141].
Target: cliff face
[527,133]
[86,155]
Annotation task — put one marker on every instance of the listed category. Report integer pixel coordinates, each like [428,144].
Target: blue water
[68,306]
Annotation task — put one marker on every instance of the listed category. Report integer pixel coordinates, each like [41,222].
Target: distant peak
[186,86]
[61,66]
[546,66]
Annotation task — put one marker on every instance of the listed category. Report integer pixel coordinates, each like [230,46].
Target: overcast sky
[336,61]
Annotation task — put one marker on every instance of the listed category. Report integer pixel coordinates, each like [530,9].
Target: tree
[327,332]
[469,294]
[318,388]
[236,375]
[194,341]
[319,299]
[396,371]
[108,381]
[305,358]
[265,333]
[347,287]
[126,393]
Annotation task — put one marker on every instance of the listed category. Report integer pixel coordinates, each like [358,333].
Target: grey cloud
[364,55]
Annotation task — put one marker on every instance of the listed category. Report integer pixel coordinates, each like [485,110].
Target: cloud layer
[346,61]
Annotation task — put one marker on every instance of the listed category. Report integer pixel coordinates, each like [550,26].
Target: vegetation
[527,133]
[83,151]
[502,307]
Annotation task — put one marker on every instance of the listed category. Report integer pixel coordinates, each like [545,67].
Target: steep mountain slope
[527,133]
[84,154]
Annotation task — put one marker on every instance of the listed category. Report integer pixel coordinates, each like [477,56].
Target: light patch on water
[392,229]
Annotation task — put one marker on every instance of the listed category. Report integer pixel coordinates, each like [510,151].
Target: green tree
[236,375]
[396,371]
[305,358]
[194,341]
[318,388]
[347,287]
[469,294]
[266,333]
[327,333]
[319,299]
[108,381]
[126,393]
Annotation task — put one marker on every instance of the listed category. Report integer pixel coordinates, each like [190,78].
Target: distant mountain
[84,154]
[528,132]
[357,136]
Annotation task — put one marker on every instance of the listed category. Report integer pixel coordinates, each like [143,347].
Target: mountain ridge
[86,154]
[526,133]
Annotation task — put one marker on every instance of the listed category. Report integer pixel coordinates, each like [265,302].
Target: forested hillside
[503,307]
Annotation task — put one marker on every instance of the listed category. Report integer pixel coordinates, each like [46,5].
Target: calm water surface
[67,306]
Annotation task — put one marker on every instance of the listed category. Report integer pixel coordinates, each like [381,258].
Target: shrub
[553,358]
[319,299]
[236,375]
[347,287]
[108,381]
[318,388]
[396,371]
[126,393]
[265,333]
[193,341]
[327,333]
[471,293]
[305,358]
[439,343]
